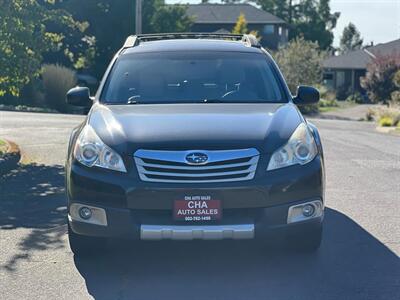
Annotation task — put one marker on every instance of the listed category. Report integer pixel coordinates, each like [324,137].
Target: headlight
[300,149]
[91,151]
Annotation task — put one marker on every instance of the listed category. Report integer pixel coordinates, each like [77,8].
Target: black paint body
[130,202]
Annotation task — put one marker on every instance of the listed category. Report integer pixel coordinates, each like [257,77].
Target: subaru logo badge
[197,158]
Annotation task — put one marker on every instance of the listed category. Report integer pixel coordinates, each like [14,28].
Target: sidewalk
[354,113]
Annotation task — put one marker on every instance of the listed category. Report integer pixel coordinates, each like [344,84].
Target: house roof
[229,13]
[359,59]
[385,48]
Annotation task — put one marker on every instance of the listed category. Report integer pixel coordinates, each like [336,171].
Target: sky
[377,20]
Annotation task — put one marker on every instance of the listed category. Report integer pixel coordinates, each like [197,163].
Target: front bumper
[132,206]
[121,223]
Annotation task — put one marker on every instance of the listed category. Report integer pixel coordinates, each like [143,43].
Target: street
[359,257]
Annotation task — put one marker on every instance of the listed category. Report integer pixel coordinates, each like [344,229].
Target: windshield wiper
[132,100]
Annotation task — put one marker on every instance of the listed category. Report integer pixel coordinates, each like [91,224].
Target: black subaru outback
[194,136]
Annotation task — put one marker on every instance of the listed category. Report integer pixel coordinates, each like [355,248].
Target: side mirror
[306,95]
[79,96]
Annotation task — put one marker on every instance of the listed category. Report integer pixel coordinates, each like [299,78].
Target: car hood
[211,126]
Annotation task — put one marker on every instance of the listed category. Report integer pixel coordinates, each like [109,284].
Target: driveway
[352,113]
[42,137]
[359,257]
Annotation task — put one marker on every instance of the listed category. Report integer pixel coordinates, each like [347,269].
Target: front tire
[306,240]
[85,245]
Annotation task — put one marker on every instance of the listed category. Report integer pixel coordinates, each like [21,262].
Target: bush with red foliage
[378,81]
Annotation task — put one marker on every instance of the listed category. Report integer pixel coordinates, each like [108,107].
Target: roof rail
[134,40]
[131,41]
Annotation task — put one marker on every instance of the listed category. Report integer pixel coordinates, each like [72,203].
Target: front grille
[221,166]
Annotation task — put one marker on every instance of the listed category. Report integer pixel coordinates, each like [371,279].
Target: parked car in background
[194,136]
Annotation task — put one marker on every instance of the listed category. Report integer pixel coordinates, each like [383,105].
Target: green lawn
[338,105]
[328,108]
[3,147]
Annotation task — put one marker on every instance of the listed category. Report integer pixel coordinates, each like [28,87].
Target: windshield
[179,77]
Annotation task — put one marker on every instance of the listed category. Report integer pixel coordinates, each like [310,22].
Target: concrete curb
[388,130]
[10,160]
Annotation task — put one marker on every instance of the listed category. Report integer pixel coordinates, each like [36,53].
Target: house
[342,73]
[273,31]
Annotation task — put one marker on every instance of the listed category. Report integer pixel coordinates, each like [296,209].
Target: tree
[160,17]
[396,79]
[311,19]
[24,37]
[76,49]
[379,79]
[241,25]
[112,21]
[396,93]
[109,22]
[351,39]
[301,63]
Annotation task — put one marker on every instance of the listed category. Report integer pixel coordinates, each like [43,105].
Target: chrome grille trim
[141,163]
[172,167]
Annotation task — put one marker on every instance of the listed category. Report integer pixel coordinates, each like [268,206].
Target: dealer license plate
[197,209]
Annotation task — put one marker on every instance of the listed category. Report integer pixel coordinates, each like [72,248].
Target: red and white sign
[197,208]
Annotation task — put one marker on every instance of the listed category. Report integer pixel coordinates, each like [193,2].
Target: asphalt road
[359,257]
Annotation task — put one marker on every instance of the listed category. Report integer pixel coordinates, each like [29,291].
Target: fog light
[308,210]
[85,213]
[305,211]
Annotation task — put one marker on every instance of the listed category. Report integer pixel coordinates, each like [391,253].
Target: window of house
[269,29]
[280,30]
[340,79]
[328,76]
[328,80]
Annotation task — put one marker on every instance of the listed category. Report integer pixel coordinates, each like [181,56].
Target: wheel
[85,245]
[306,240]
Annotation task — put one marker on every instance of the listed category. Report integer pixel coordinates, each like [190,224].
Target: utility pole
[138,26]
